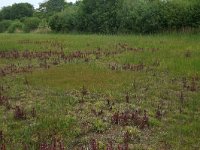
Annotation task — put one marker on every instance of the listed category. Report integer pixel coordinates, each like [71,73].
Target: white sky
[35,3]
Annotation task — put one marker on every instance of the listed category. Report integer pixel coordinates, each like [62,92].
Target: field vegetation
[105,17]
[125,77]
[81,92]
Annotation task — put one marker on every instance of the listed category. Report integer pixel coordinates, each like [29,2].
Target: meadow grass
[62,110]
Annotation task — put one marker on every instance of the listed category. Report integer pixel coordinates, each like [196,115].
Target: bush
[194,15]
[31,24]
[17,25]
[109,17]
[17,11]
[138,16]
[4,25]
[63,22]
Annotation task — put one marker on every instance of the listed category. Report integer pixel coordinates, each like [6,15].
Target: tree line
[103,16]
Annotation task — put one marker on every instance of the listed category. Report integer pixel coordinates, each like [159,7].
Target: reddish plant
[55,145]
[145,121]
[134,117]
[110,146]
[120,147]
[126,146]
[127,137]
[4,101]
[3,147]
[44,146]
[1,136]
[94,145]
[115,118]
[19,113]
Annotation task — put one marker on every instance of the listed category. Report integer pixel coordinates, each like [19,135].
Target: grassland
[71,97]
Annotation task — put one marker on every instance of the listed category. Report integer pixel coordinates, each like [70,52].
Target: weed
[3,147]
[141,65]
[1,136]
[94,145]
[19,113]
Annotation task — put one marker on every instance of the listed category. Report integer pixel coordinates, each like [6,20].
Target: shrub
[17,25]
[31,24]
[194,15]
[4,25]
[63,22]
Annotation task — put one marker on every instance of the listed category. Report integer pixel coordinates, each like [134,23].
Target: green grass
[55,93]
[74,76]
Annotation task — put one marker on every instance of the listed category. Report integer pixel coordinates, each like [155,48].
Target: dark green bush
[17,11]
[4,24]
[194,15]
[106,16]
[138,16]
[63,22]
[31,24]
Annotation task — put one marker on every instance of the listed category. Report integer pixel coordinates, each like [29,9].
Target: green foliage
[6,12]
[17,25]
[154,122]
[1,16]
[133,131]
[51,6]
[111,16]
[31,24]
[99,125]
[17,11]
[127,16]
[155,16]
[99,16]
[63,22]
[194,15]
[4,25]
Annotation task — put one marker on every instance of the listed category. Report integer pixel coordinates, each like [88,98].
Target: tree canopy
[110,16]
[17,11]
[52,6]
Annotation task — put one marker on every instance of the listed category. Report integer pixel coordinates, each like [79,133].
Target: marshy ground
[99,92]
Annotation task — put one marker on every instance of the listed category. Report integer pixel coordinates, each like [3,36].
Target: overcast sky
[35,3]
